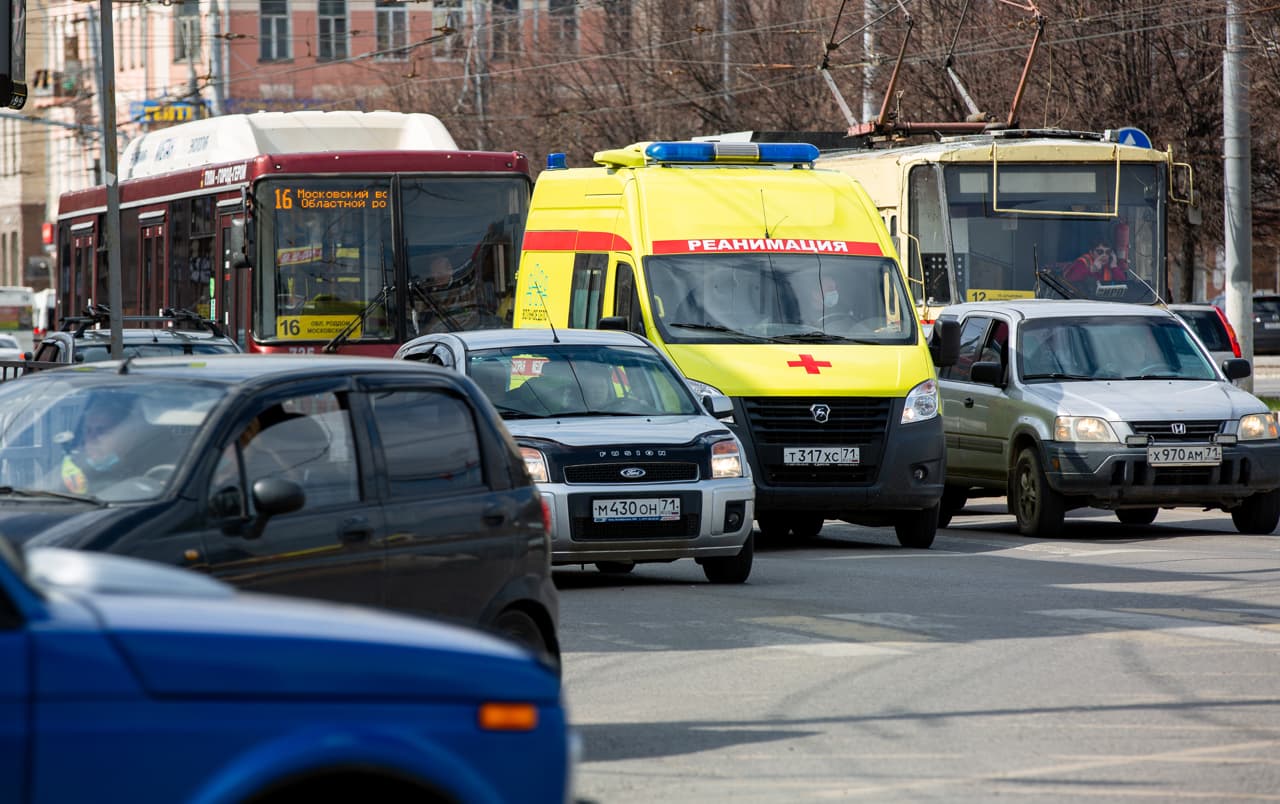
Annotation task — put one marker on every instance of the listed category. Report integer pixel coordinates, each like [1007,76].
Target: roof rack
[99,315]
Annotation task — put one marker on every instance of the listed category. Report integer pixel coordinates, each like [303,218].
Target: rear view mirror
[1237,368]
[612,322]
[944,342]
[718,406]
[273,496]
[988,373]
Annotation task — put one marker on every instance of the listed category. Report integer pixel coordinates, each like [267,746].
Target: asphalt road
[1266,375]
[1118,663]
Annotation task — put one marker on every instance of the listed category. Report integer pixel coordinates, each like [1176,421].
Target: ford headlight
[1257,426]
[922,403]
[726,459]
[1083,428]
[536,463]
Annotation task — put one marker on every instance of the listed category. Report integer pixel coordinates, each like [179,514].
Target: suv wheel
[1259,513]
[730,569]
[807,526]
[952,503]
[1039,509]
[1137,516]
[916,529]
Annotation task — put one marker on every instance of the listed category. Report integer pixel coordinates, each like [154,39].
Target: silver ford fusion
[1064,404]
[632,467]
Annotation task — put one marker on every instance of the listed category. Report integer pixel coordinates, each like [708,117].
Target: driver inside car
[110,447]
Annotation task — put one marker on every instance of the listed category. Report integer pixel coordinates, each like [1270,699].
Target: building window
[186,32]
[392,31]
[333,30]
[446,29]
[618,22]
[505,25]
[273,30]
[563,24]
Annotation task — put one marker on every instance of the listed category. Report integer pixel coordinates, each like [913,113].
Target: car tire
[520,627]
[1137,516]
[615,567]
[807,526]
[916,529]
[952,502]
[774,527]
[1258,514]
[731,569]
[1038,508]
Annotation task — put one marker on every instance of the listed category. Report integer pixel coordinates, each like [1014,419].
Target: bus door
[84,241]
[151,266]
[230,291]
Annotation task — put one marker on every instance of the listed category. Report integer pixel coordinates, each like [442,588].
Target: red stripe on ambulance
[778,245]
[572,240]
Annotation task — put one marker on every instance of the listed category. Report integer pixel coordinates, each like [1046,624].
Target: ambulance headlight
[922,403]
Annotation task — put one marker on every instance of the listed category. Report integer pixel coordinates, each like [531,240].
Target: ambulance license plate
[1185,455]
[820,456]
[654,509]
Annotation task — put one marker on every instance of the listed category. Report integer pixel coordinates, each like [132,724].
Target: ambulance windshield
[744,298]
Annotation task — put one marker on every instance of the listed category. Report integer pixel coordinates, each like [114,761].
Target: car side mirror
[944,342]
[988,373]
[273,496]
[718,406]
[612,322]
[1236,368]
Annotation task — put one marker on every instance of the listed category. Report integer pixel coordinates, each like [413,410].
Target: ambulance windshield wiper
[720,328]
[820,337]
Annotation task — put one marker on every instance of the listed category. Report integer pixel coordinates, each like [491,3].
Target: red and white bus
[306,231]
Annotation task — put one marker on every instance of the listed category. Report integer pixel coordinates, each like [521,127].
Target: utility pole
[1237,203]
[870,15]
[217,46]
[111,227]
[726,26]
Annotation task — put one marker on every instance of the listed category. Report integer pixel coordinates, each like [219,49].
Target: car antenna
[543,301]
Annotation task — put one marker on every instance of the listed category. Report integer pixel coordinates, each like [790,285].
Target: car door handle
[968,401]
[356,529]
[494,515]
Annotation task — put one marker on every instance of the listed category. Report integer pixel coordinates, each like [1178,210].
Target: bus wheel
[916,529]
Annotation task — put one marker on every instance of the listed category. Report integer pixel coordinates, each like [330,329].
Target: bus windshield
[743,298]
[396,257]
[1048,230]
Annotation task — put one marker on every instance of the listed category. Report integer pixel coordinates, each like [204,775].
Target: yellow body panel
[803,370]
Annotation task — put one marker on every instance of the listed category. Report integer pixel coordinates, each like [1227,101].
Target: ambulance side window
[626,300]
[586,296]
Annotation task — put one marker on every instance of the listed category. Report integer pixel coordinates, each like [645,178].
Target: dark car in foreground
[1065,404]
[359,480]
[124,680]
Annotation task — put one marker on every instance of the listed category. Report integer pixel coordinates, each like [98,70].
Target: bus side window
[626,299]
[586,295]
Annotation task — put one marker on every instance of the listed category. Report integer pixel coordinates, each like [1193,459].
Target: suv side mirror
[988,373]
[944,342]
[1237,368]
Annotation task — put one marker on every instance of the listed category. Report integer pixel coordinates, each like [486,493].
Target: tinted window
[429,441]
[1208,327]
[972,338]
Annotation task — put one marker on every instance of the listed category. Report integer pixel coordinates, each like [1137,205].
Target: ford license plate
[820,456]
[655,509]
[1185,455]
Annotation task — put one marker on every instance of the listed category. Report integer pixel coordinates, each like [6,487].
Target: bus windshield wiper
[721,328]
[357,320]
[1057,284]
[59,495]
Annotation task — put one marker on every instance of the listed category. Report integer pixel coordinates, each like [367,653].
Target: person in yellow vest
[104,452]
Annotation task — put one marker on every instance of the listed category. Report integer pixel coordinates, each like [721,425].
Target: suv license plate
[654,509]
[820,456]
[1190,455]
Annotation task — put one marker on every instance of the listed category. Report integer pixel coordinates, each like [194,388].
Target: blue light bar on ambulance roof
[557,161]
[759,152]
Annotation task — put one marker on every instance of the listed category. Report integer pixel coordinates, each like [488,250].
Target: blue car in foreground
[124,680]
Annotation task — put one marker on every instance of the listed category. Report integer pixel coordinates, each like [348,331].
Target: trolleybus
[1007,214]
[305,231]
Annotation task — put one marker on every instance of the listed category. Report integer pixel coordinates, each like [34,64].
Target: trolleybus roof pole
[111,227]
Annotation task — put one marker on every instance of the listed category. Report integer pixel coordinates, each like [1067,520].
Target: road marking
[1144,621]
[844,628]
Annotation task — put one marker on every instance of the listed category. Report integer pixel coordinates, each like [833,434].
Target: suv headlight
[1257,426]
[1083,428]
[922,403]
[726,459]
[536,463]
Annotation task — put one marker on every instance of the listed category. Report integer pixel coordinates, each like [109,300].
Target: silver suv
[1066,404]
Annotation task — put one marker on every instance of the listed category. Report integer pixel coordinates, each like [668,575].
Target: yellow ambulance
[771,283]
